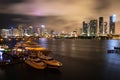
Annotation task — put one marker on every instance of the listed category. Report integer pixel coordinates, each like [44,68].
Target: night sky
[58,15]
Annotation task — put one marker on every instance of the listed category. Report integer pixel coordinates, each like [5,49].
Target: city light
[43,26]
[1,53]
[114,18]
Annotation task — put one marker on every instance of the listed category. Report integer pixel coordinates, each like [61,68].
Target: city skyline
[61,14]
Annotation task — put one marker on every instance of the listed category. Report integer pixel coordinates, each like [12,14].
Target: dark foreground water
[82,60]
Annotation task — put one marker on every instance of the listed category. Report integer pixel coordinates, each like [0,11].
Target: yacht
[50,61]
[35,63]
[29,47]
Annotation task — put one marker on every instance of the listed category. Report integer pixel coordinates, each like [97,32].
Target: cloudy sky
[60,15]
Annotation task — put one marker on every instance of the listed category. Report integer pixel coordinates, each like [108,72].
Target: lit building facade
[93,27]
[21,30]
[112,24]
[101,31]
[30,31]
[85,28]
[105,28]
[5,33]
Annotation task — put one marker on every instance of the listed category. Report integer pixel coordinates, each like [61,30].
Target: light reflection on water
[79,48]
[113,43]
[1,57]
[43,42]
[63,46]
[85,49]
[89,49]
[113,57]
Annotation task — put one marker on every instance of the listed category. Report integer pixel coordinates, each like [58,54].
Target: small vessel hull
[40,65]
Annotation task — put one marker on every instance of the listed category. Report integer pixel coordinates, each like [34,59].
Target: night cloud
[11,1]
[102,5]
[67,13]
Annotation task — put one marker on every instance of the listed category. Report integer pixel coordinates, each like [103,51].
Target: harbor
[29,52]
[81,60]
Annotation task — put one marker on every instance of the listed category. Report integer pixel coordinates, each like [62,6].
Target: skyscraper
[21,30]
[85,28]
[112,24]
[101,25]
[105,27]
[93,27]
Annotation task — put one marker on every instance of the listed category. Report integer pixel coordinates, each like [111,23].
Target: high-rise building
[93,27]
[101,25]
[30,31]
[105,28]
[11,31]
[112,24]
[5,33]
[21,30]
[85,28]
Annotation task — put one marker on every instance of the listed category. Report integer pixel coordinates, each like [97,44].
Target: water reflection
[43,42]
[112,43]
[73,46]
[1,57]
[79,48]
[63,46]
[112,56]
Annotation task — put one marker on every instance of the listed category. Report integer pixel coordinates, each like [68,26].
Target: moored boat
[35,63]
[30,47]
[51,62]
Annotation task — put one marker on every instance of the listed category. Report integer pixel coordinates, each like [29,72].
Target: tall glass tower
[101,25]
[93,27]
[112,24]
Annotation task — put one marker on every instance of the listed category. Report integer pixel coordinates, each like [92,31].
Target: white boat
[36,63]
[51,63]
